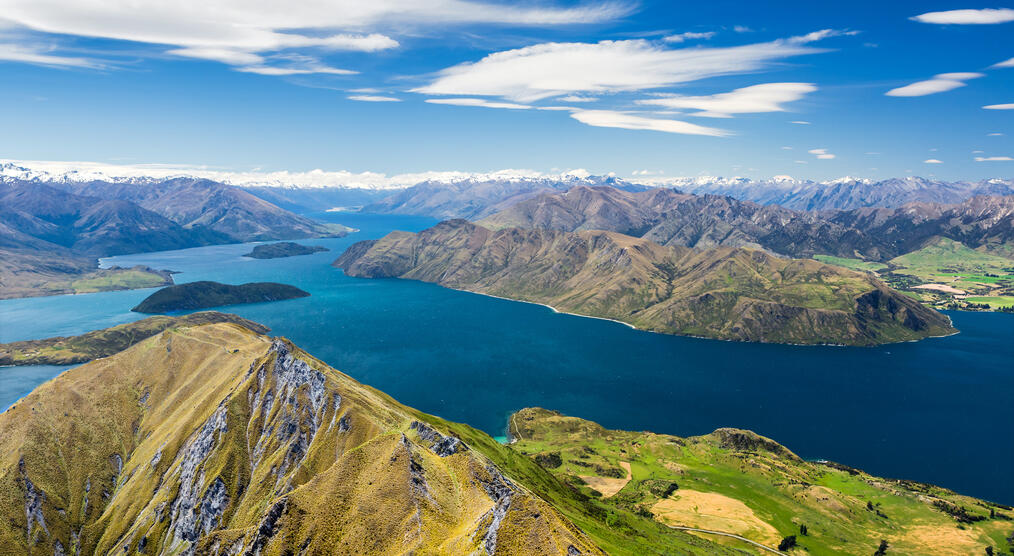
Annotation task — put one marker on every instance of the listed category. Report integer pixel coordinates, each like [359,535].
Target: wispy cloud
[373,98]
[238,33]
[999,107]
[767,97]
[44,56]
[939,84]
[689,36]
[624,120]
[821,154]
[967,17]
[1004,64]
[799,122]
[478,102]
[932,161]
[993,159]
[556,69]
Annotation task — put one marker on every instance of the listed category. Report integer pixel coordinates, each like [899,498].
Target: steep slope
[726,293]
[90,225]
[735,481]
[476,198]
[224,209]
[216,440]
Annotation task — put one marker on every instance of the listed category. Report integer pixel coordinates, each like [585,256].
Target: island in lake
[283,249]
[206,294]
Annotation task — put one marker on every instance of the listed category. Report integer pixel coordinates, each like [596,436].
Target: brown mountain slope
[726,293]
[672,218]
[204,204]
[216,440]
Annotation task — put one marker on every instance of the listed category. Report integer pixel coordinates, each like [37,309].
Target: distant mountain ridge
[843,193]
[473,199]
[670,217]
[724,293]
[52,232]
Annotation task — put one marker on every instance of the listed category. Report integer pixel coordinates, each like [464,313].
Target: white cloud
[742,29]
[576,98]
[786,148]
[40,55]
[478,102]
[609,118]
[967,17]
[767,97]
[1004,64]
[373,98]
[999,107]
[939,83]
[932,161]
[239,33]
[307,70]
[993,159]
[689,36]
[799,122]
[994,134]
[977,152]
[556,69]
[821,154]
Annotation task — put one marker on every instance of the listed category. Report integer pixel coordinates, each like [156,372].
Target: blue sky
[666,88]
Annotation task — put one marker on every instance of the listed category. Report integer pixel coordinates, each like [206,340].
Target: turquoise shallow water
[939,411]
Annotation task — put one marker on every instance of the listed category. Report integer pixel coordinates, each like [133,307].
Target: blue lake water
[940,410]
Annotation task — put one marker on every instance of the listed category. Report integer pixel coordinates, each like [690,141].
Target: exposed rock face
[249,446]
[727,293]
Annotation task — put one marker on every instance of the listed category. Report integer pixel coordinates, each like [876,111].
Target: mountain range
[473,199]
[669,217]
[52,232]
[726,293]
[843,193]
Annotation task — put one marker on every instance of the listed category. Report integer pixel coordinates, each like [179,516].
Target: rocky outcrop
[247,445]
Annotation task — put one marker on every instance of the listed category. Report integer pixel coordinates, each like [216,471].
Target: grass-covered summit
[726,292]
[206,294]
[68,350]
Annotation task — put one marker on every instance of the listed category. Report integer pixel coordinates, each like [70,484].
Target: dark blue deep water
[940,410]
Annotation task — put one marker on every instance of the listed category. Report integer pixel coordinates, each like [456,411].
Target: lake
[939,411]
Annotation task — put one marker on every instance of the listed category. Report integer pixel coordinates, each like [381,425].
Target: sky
[639,89]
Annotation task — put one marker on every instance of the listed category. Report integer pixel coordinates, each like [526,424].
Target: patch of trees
[959,513]
[660,488]
[549,460]
[787,543]
[882,549]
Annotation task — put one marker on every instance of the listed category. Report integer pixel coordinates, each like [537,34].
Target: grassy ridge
[102,343]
